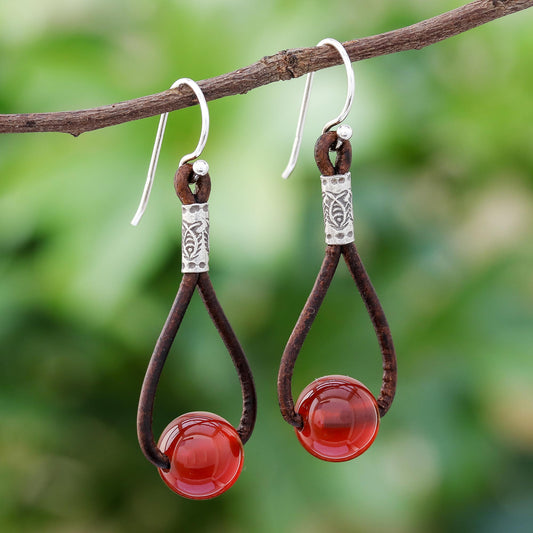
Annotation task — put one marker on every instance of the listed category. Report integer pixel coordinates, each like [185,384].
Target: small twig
[284,65]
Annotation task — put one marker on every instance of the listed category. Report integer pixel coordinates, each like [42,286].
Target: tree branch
[284,65]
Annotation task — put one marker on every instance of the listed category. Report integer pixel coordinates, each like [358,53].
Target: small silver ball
[200,167]
[344,132]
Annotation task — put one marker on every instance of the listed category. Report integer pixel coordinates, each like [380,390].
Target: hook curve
[159,139]
[305,103]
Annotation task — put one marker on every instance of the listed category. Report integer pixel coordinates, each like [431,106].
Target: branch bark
[284,65]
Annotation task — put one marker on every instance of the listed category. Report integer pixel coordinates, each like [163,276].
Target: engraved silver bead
[195,238]
[200,167]
[337,204]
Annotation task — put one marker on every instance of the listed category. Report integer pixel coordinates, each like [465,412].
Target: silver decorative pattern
[194,238]
[338,208]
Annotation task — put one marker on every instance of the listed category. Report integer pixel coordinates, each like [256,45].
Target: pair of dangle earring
[199,455]
[336,418]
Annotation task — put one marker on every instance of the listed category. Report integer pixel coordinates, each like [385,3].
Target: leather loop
[182,183]
[327,143]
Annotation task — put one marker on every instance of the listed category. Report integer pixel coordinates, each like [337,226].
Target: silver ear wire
[159,139]
[305,104]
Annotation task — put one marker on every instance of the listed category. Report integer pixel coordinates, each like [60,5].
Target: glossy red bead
[206,455]
[340,416]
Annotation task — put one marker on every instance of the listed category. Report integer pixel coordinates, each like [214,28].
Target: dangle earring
[199,455]
[336,418]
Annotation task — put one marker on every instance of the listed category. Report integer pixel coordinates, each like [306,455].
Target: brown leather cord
[299,333]
[379,321]
[155,367]
[249,401]
[326,143]
[184,177]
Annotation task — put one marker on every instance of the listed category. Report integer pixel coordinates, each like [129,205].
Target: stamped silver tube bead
[338,208]
[194,238]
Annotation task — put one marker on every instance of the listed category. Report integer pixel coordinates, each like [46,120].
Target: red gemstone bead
[340,416]
[206,455]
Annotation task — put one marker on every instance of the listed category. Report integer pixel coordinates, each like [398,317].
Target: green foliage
[443,186]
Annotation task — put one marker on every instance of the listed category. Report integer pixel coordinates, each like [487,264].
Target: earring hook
[305,104]
[159,139]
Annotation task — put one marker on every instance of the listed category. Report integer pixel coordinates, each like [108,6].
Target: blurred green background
[443,186]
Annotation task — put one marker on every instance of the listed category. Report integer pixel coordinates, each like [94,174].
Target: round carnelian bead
[206,455]
[340,417]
